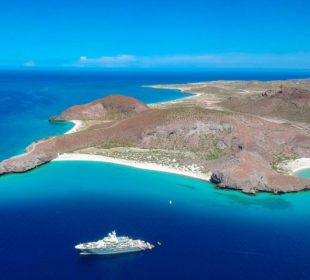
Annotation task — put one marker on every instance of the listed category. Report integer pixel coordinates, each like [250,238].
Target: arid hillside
[283,102]
[107,108]
[238,148]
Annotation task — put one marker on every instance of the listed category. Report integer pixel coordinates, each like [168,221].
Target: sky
[148,34]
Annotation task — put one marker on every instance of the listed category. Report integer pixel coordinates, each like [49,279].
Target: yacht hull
[109,251]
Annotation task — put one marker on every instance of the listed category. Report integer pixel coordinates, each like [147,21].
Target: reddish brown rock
[110,107]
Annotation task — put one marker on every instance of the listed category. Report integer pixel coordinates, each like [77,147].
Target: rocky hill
[107,108]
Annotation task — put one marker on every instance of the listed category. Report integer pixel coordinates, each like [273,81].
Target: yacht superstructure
[113,244]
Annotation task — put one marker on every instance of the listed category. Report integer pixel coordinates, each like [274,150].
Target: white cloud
[236,60]
[29,63]
[83,58]
[108,61]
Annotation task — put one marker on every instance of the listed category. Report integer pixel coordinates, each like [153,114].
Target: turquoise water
[305,173]
[205,233]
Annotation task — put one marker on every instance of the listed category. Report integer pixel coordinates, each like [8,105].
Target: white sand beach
[297,164]
[140,165]
[77,126]
[190,95]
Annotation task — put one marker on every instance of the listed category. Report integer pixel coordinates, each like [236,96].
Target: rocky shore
[242,150]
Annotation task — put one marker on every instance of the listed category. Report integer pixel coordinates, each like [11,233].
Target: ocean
[205,233]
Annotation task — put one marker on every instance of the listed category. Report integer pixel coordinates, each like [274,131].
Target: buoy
[158,243]
[170,202]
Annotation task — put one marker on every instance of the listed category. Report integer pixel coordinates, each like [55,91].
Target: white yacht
[113,244]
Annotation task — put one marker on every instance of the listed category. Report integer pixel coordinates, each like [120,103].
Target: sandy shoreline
[139,165]
[297,164]
[291,166]
[173,101]
[77,126]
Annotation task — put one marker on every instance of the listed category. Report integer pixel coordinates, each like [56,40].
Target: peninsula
[242,135]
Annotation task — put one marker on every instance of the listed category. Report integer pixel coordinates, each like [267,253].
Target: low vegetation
[280,161]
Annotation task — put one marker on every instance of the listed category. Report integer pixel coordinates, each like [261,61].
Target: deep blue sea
[205,233]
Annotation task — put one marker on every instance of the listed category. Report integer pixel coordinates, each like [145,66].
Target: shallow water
[303,173]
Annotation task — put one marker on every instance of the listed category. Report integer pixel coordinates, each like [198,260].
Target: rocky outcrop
[216,179]
[250,173]
[107,108]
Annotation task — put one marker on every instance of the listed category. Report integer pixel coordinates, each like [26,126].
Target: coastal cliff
[238,148]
